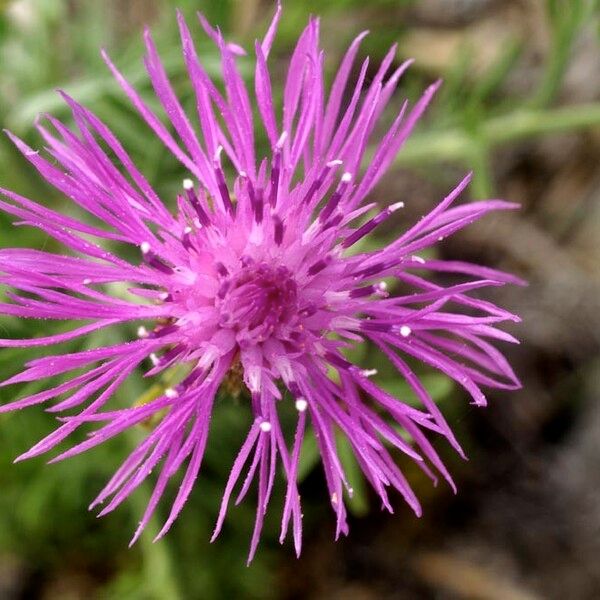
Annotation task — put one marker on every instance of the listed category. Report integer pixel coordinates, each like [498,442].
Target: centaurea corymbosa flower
[259,272]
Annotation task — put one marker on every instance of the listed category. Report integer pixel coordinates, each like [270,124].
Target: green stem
[158,567]
[479,163]
[157,564]
[457,144]
[531,123]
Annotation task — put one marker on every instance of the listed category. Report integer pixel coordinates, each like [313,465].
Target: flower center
[258,302]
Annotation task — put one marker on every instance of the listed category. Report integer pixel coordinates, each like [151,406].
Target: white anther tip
[243,174]
[171,393]
[405,331]
[266,426]
[145,247]
[154,359]
[218,153]
[369,372]
[396,206]
[301,405]
[188,229]
[142,332]
[381,289]
[418,259]
[334,163]
[281,139]
[188,184]
[87,281]
[347,177]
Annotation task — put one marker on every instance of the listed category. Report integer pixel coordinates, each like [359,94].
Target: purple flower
[259,275]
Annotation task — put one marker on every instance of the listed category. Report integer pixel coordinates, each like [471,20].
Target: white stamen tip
[218,154]
[188,184]
[281,139]
[301,405]
[171,393]
[87,281]
[396,206]
[163,295]
[334,163]
[382,286]
[188,229]
[405,331]
[265,426]
[368,372]
[145,247]
[142,332]
[418,259]
[154,359]
[243,174]
[334,498]
[347,177]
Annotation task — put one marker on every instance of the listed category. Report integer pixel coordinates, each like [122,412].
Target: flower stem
[458,144]
[157,564]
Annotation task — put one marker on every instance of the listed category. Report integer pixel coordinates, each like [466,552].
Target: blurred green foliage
[48,44]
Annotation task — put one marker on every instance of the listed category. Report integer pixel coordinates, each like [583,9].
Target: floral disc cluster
[261,271]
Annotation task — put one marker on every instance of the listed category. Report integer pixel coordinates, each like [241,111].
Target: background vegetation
[521,106]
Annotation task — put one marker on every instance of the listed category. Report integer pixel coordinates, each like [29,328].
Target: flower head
[258,279]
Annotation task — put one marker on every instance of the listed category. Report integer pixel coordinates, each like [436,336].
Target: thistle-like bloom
[258,275]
